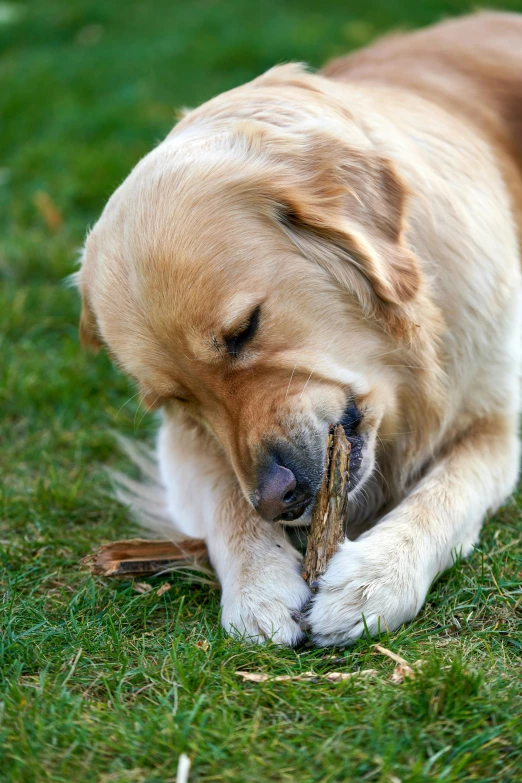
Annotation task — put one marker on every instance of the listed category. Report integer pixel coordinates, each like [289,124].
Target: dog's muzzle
[289,477]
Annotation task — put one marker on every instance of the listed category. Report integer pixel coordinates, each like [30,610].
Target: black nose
[279,494]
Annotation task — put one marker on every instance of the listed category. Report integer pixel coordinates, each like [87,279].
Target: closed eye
[236,341]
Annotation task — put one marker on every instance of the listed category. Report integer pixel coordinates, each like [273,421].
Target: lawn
[101,683]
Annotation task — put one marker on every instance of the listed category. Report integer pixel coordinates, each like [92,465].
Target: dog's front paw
[373,584]
[262,601]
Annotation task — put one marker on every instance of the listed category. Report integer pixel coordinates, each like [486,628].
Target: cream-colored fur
[377,224]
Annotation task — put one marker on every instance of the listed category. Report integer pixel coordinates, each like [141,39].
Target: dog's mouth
[350,421]
[356,457]
[298,510]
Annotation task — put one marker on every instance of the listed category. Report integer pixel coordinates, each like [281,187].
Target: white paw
[262,601]
[375,583]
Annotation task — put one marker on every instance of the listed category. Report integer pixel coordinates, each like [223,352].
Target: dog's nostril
[289,497]
[276,491]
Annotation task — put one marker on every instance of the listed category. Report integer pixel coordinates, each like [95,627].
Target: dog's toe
[268,610]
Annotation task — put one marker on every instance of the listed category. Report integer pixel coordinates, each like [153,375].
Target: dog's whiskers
[383,477]
[307,382]
[124,404]
[315,367]
[192,359]
[145,413]
[290,381]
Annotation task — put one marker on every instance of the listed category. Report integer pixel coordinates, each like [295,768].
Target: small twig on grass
[402,669]
[390,654]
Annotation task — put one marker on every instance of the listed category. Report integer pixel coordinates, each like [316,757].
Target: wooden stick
[329,514]
[140,556]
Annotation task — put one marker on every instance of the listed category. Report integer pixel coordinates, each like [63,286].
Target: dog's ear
[348,215]
[88,327]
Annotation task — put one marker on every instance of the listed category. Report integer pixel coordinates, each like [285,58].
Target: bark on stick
[329,514]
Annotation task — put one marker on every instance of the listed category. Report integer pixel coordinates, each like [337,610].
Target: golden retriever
[314,248]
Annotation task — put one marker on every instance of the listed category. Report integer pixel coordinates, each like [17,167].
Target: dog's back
[470,66]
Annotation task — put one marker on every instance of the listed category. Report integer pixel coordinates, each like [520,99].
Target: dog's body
[313,248]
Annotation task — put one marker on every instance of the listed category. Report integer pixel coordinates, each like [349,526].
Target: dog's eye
[236,342]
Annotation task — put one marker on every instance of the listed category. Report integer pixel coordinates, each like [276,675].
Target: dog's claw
[300,618]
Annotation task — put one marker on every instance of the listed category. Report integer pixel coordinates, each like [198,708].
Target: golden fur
[373,212]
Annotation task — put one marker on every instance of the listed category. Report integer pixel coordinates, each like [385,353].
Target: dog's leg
[382,579]
[259,570]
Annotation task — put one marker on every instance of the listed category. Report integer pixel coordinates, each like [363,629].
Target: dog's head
[252,270]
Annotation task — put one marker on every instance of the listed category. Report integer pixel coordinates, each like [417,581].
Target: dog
[308,249]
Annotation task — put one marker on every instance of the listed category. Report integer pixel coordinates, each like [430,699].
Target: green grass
[98,682]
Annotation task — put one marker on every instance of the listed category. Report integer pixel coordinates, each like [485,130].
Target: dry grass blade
[305,676]
[142,587]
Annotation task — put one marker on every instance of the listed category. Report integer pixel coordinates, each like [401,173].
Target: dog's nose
[280,495]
